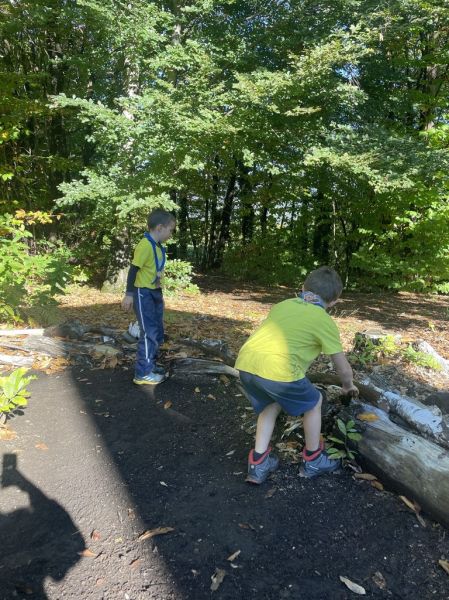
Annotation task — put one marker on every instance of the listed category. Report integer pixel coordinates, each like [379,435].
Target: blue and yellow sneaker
[151,379]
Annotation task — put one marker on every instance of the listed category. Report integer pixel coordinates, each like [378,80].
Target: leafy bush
[13,392]
[178,278]
[422,359]
[28,278]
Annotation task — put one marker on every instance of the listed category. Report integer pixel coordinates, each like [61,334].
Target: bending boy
[273,363]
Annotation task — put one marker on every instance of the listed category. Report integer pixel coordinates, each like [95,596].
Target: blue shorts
[295,397]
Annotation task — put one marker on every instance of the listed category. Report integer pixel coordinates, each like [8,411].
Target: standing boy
[273,364]
[143,290]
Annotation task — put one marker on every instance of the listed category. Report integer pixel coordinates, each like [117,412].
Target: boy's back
[291,337]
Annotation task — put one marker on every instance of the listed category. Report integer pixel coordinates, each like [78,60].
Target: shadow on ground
[122,460]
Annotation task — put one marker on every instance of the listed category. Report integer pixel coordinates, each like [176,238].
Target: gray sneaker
[260,470]
[320,465]
[151,379]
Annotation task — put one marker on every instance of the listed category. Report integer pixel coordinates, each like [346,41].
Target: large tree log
[408,463]
[16,361]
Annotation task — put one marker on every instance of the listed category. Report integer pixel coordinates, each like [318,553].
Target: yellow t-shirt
[144,259]
[291,337]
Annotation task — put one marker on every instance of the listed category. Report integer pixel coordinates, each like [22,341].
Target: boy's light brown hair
[159,217]
[325,282]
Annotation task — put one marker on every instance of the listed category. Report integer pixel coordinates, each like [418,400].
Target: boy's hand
[127,303]
[350,390]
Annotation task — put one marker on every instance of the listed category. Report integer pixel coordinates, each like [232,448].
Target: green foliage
[28,278]
[178,278]
[285,137]
[422,359]
[13,392]
[347,434]
[368,352]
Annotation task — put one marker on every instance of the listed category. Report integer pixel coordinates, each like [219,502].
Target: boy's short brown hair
[325,282]
[160,216]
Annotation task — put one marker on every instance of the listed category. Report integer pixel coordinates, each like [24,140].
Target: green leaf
[335,439]
[341,426]
[355,436]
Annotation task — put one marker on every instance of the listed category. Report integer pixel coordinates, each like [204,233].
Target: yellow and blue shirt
[291,337]
[144,259]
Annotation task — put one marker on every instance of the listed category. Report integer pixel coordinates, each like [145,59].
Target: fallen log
[16,361]
[407,463]
[195,366]
[212,347]
[14,332]
[428,421]
[56,348]
[425,347]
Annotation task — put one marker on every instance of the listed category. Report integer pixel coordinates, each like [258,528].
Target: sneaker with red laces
[260,470]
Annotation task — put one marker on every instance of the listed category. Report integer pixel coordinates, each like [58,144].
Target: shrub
[13,392]
[28,278]
[178,278]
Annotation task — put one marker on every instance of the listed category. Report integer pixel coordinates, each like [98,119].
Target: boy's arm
[127,301]
[344,371]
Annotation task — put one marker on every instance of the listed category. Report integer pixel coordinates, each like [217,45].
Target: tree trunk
[408,463]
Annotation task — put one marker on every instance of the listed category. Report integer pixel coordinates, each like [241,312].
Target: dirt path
[96,453]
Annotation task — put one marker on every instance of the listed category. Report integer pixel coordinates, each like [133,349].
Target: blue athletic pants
[149,307]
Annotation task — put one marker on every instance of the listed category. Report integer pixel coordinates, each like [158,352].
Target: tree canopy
[284,134]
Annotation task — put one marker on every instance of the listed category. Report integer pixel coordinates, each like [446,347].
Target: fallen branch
[212,347]
[428,349]
[14,332]
[192,366]
[16,361]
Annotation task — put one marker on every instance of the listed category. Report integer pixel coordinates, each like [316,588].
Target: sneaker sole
[302,473]
[140,382]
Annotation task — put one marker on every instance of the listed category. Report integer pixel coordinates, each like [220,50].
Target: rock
[440,399]
[73,330]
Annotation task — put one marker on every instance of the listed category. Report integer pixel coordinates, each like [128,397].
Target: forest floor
[110,491]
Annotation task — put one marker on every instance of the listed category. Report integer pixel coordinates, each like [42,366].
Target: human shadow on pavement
[37,541]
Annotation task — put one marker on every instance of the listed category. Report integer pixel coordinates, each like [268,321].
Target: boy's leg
[265,426]
[148,322]
[260,462]
[316,460]
[312,426]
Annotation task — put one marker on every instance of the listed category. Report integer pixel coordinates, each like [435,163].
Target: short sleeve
[330,337]
[143,253]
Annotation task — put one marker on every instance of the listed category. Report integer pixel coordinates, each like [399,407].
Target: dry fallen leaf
[7,434]
[376,484]
[365,476]
[233,556]
[135,563]
[168,404]
[379,580]
[367,417]
[87,553]
[146,535]
[224,379]
[197,390]
[247,526]
[217,579]
[408,503]
[270,492]
[444,564]
[210,397]
[354,587]
[415,507]
[95,535]
[41,446]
